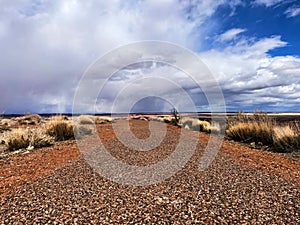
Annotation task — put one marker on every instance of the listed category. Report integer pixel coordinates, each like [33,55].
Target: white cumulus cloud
[292,11]
[230,34]
[251,78]
[268,3]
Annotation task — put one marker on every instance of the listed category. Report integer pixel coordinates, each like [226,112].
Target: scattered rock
[227,192]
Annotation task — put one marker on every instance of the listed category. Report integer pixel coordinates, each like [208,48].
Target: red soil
[19,169]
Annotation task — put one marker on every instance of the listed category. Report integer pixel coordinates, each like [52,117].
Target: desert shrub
[86,119]
[24,138]
[159,119]
[38,138]
[259,128]
[239,117]
[256,127]
[167,119]
[205,126]
[296,128]
[262,117]
[187,122]
[29,119]
[164,119]
[251,132]
[17,139]
[257,116]
[60,129]
[283,137]
[197,125]
[103,119]
[286,138]
[171,120]
[5,122]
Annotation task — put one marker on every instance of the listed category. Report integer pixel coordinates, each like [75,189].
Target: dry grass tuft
[86,119]
[204,126]
[56,129]
[25,138]
[17,139]
[60,129]
[103,120]
[199,125]
[167,119]
[283,137]
[251,132]
[187,122]
[259,128]
[257,116]
[29,119]
[39,138]
[158,119]
[286,138]
[5,122]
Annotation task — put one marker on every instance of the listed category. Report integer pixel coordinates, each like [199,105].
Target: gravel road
[228,192]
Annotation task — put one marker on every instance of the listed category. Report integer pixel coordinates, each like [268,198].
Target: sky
[251,48]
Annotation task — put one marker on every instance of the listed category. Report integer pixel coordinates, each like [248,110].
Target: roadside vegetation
[90,119]
[60,129]
[31,131]
[199,125]
[27,138]
[259,130]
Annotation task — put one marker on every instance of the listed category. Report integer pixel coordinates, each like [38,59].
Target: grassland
[273,132]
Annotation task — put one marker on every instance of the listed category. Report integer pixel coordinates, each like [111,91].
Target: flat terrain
[242,185]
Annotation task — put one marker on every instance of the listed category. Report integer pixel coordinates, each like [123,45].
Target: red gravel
[241,186]
[15,170]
